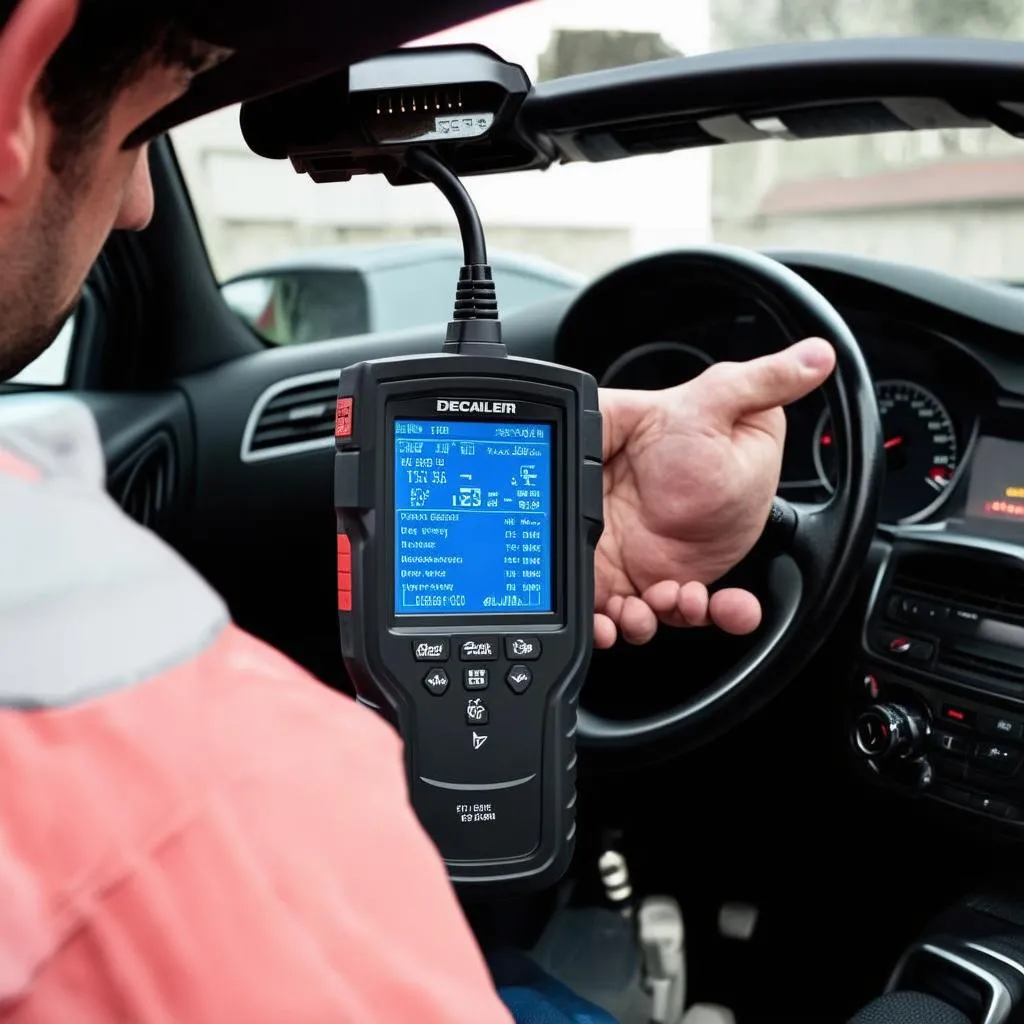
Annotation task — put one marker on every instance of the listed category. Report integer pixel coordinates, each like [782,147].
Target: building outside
[583,217]
[951,200]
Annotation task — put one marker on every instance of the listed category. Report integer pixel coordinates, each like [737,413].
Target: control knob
[885,732]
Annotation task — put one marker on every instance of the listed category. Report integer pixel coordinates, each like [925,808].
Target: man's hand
[689,477]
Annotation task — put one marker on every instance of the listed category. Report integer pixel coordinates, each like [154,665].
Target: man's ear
[27,42]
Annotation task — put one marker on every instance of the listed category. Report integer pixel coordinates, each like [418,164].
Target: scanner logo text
[477,405]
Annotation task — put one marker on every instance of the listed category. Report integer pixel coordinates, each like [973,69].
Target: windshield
[946,199]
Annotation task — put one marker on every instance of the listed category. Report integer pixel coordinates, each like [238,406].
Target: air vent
[980,665]
[146,486]
[293,416]
[988,587]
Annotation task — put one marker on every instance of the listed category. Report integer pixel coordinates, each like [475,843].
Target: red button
[343,418]
[344,573]
[962,716]
[344,553]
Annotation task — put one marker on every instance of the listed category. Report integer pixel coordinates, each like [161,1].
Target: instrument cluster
[926,411]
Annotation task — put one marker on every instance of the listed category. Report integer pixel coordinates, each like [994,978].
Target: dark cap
[281,43]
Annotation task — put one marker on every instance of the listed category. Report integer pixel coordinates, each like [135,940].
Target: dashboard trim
[247,455]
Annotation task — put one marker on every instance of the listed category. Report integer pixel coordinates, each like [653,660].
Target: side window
[294,307]
[414,294]
[51,368]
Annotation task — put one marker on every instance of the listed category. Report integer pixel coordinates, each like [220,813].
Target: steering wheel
[816,552]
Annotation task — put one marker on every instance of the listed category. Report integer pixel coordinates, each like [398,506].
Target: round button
[873,734]
[890,730]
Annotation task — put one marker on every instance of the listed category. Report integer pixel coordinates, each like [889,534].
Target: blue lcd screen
[473,518]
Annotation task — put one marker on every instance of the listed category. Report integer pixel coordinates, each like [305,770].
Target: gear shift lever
[909,1008]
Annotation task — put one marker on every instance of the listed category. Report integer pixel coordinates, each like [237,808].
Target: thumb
[735,390]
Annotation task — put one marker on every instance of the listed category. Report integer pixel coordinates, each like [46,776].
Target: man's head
[76,79]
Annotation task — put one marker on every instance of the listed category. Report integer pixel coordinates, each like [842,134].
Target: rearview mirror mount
[461,101]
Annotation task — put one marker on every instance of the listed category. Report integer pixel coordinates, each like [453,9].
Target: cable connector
[475,297]
[475,328]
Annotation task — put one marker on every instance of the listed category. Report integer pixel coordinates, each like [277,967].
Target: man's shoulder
[133,714]
[90,602]
[92,605]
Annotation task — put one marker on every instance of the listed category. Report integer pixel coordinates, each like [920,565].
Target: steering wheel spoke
[804,531]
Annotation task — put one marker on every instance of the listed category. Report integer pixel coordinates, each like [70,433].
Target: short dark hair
[112,43]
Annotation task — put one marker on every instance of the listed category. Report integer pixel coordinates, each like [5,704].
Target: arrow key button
[519,679]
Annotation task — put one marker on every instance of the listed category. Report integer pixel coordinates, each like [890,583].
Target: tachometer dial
[921,453]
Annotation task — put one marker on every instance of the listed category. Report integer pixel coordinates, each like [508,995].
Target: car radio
[940,691]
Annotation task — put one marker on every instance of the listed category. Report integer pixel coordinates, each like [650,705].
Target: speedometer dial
[921,453]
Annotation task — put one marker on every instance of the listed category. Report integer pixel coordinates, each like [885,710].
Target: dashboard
[932,393]
[938,622]
[935,698]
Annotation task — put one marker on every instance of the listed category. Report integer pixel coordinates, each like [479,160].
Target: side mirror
[301,305]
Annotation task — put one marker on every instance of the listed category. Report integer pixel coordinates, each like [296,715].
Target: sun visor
[281,44]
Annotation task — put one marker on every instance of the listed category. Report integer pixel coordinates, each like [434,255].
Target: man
[200,832]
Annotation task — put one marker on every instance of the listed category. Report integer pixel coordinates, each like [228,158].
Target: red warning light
[956,714]
[826,439]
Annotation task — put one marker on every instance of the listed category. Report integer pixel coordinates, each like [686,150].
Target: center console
[967,968]
[939,692]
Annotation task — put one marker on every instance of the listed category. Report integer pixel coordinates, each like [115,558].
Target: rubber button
[343,418]
[433,648]
[479,649]
[522,648]
[436,681]
[519,679]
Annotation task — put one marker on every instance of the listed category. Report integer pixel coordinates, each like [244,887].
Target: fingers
[676,605]
[735,611]
[730,391]
[694,603]
[635,619]
[604,632]
[638,623]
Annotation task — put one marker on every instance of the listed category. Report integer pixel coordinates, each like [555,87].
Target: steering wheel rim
[817,551]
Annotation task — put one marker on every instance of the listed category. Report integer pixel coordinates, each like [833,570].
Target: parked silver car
[348,290]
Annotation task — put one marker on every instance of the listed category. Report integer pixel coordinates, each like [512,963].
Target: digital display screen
[473,517]
[996,490]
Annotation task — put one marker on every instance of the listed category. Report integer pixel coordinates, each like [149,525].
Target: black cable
[474,327]
[474,246]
